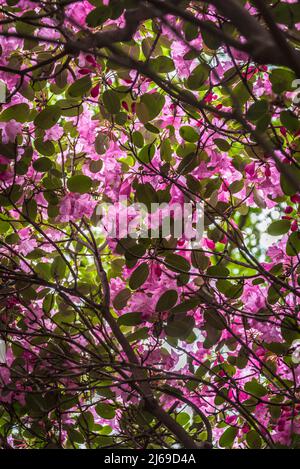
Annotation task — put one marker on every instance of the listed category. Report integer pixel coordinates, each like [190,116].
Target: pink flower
[75,206]
[10,130]
[253,298]
[95,91]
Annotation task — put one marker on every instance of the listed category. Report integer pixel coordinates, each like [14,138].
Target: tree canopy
[143,342]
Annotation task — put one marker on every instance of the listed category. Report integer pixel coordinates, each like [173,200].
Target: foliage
[149,342]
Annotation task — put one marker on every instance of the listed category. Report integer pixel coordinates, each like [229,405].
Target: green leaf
[290,330]
[218,271]
[293,244]
[79,183]
[130,319]
[139,276]
[286,180]
[255,388]
[149,106]
[102,143]
[242,358]
[186,305]
[22,166]
[162,64]
[166,150]
[106,411]
[86,421]
[180,327]
[241,92]
[18,112]
[282,80]
[230,289]
[228,437]
[15,193]
[213,336]
[198,77]
[80,87]
[263,122]
[138,139]
[236,186]
[75,436]
[277,348]
[257,109]
[177,263]
[290,121]
[273,294]
[121,118]
[186,149]
[188,164]
[22,27]
[214,318]
[145,194]
[42,165]
[111,101]
[283,14]
[191,31]
[140,334]
[279,227]
[12,2]
[58,268]
[202,369]
[253,439]
[189,134]
[4,227]
[222,144]
[199,260]
[166,301]
[8,150]
[30,209]
[96,166]
[45,148]
[69,108]
[48,117]
[12,238]
[121,299]
[147,153]
[61,76]
[98,16]
[151,128]
[44,271]
[211,40]
[193,184]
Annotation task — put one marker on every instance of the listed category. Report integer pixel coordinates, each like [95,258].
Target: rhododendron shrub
[148,341]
